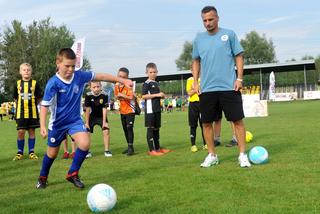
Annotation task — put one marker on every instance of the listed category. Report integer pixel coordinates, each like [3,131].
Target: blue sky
[132,33]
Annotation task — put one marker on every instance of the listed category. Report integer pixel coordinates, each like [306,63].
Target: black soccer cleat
[130,151]
[42,183]
[217,143]
[74,178]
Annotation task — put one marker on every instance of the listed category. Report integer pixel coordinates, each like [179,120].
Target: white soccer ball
[258,155]
[101,198]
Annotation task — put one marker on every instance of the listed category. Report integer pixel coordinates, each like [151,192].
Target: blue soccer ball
[258,155]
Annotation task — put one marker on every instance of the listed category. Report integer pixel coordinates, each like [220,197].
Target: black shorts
[127,119]
[27,123]
[213,103]
[153,120]
[95,121]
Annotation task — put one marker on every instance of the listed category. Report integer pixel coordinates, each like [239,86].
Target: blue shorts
[57,135]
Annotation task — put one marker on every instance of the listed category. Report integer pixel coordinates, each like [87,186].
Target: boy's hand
[43,132]
[196,87]
[162,95]
[120,95]
[87,126]
[128,83]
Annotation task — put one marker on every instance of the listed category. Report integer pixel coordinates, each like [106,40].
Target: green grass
[175,183]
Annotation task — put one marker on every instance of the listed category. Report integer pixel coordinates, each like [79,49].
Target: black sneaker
[232,143]
[217,143]
[42,183]
[130,151]
[75,180]
[125,152]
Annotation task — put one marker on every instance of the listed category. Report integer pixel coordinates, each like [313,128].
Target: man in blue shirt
[216,52]
[63,95]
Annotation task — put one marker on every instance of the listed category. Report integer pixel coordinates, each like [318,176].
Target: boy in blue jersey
[63,95]
[217,51]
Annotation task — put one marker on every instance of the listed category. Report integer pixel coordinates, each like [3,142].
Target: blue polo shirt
[216,53]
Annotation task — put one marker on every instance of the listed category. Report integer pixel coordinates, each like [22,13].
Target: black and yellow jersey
[26,94]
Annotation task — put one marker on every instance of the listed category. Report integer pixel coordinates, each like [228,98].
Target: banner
[272,86]
[289,96]
[254,107]
[78,48]
[311,95]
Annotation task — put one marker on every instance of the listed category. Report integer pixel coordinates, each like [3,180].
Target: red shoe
[72,155]
[164,151]
[65,155]
[155,153]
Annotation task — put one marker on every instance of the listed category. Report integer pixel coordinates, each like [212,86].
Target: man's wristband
[240,80]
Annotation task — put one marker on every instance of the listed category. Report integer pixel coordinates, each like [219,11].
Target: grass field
[175,183]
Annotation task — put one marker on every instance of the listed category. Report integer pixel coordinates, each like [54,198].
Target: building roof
[248,69]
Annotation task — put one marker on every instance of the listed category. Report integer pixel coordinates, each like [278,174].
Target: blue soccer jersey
[64,98]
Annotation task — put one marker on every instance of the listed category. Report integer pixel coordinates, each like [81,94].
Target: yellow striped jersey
[26,94]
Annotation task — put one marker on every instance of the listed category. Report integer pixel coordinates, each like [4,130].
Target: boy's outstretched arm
[112,78]
[43,117]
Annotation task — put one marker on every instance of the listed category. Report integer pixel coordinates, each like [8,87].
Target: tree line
[258,50]
[36,44]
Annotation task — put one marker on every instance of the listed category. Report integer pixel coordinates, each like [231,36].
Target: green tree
[36,44]
[307,57]
[185,59]
[258,49]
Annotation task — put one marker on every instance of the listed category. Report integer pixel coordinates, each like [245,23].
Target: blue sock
[31,142]
[46,165]
[20,144]
[78,159]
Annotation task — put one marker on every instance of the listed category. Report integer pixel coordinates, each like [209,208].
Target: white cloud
[276,19]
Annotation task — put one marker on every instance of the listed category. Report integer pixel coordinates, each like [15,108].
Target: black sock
[130,135]
[150,138]
[156,137]
[193,134]
[204,142]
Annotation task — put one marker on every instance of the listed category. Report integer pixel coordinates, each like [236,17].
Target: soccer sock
[204,142]
[193,134]
[150,138]
[46,165]
[20,144]
[234,138]
[31,143]
[130,135]
[217,138]
[125,130]
[156,137]
[78,159]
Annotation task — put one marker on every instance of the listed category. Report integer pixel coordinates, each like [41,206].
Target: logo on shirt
[76,89]
[62,90]
[101,101]
[224,38]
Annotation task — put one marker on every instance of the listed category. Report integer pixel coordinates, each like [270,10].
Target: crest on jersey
[101,101]
[76,89]
[224,38]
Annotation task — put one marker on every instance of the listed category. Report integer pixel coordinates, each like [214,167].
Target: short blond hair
[25,64]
